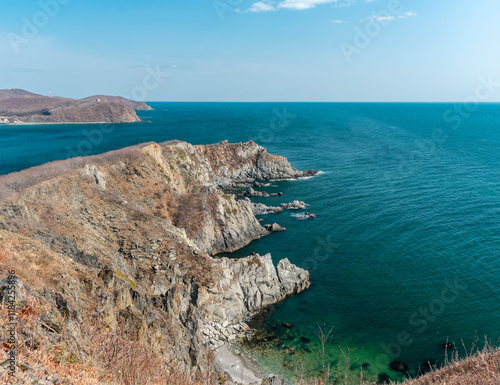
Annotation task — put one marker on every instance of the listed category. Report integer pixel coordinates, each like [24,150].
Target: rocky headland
[23,107]
[124,244]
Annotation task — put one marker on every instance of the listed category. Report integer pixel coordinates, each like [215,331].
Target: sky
[250,50]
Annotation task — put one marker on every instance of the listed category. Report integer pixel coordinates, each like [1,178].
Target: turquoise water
[406,242]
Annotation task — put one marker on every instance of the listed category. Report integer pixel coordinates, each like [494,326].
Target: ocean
[404,251]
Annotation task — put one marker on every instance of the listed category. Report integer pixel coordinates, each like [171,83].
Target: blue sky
[247,50]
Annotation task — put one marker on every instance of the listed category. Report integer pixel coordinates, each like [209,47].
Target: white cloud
[388,18]
[261,7]
[336,21]
[407,15]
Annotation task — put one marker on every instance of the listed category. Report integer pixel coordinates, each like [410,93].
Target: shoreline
[67,123]
[241,368]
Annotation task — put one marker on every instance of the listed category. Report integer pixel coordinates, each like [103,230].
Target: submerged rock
[398,366]
[304,340]
[427,366]
[290,350]
[383,379]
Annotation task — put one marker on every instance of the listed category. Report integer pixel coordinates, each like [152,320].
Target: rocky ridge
[26,107]
[126,239]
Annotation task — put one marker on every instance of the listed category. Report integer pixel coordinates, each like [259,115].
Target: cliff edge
[123,244]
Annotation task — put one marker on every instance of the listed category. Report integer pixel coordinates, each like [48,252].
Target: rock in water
[252,193]
[274,228]
[253,282]
[295,205]
[293,279]
[260,209]
[399,367]
[383,379]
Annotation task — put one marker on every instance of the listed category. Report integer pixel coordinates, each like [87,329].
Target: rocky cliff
[124,242]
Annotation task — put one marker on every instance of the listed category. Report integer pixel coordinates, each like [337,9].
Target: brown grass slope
[482,368]
[30,107]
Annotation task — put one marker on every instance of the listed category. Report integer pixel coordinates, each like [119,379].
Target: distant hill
[27,107]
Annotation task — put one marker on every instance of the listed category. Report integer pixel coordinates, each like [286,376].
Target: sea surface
[404,252]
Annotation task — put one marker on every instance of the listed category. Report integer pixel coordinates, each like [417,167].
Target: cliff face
[248,161]
[126,240]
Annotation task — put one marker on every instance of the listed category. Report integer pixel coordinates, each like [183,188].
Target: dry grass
[18,181]
[114,357]
[481,368]
[41,355]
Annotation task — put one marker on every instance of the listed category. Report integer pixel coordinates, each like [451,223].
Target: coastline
[167,269]
[240,367]
[64,123]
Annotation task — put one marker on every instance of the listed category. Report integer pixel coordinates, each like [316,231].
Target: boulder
[260,209]
[274,228]
[294,205]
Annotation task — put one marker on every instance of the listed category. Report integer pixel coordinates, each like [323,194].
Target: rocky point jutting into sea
[124,242]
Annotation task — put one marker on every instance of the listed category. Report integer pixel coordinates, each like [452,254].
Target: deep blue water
[406,242]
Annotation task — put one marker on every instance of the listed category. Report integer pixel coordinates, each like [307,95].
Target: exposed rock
[125,239]
[260,209]
[304,216]
[287,325]
[295,205]
[253,282]
[248,161]
[98,176]
[252,193]
[274,228]
[292,278]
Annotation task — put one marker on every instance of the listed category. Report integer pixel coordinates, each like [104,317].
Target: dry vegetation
[43,349]
[481,368]
[31,107]
[19,181]
[114,357]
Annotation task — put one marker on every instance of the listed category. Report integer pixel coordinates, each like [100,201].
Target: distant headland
[22,107]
